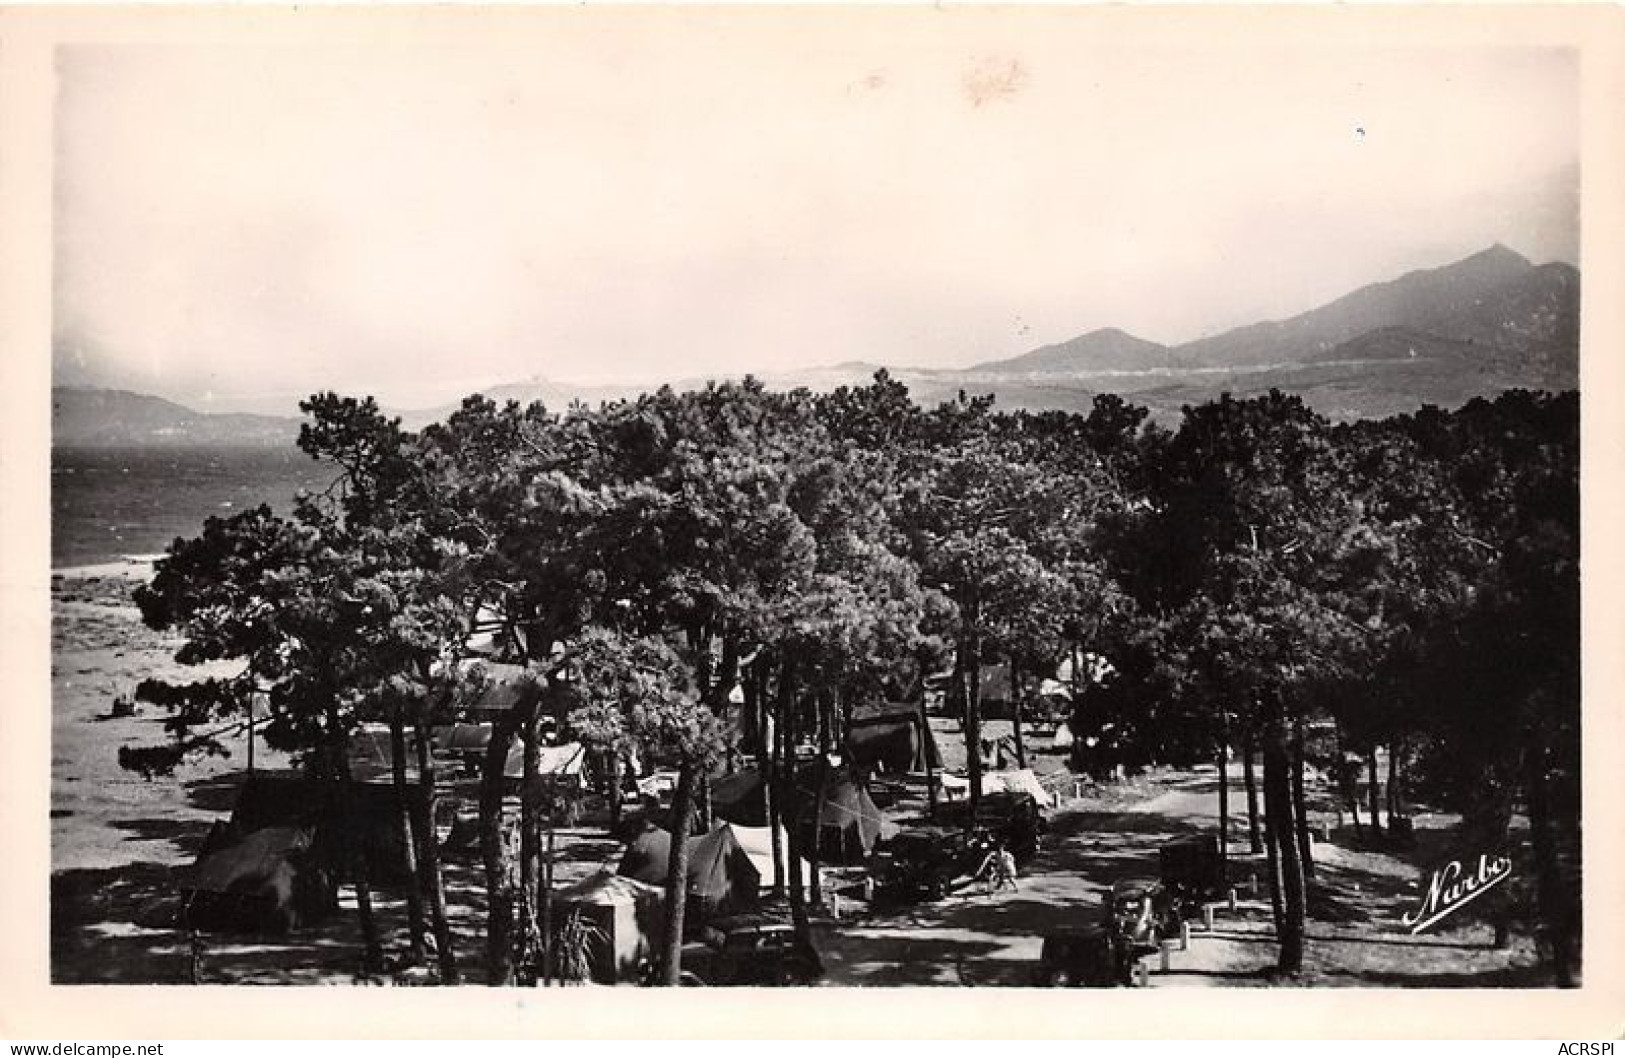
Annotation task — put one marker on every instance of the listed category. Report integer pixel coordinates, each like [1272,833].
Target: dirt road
[1355,936]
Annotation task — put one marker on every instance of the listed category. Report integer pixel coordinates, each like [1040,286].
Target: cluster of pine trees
[1255,571]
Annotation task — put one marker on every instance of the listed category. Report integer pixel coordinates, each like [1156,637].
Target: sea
[110,503]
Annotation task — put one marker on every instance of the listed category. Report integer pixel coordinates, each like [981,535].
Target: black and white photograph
[908,498]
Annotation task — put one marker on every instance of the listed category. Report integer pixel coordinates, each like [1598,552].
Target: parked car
[1193,872]
[761,950]
[1138,913]
[649,977]
[928,862]
[1010,818]
[1081,957]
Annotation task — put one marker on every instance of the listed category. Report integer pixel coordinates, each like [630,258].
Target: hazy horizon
[679,194]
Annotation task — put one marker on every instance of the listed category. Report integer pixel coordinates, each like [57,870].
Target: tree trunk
[954,695]
[702,786]
[973,716]
[548,956]
[797,888]
[1373,789]
[1300,811]
[790,798]
[1278,806]
[817,857]
[1016,711]
[499,966]
[1556,912]
[1224,784]
[671,945]
[925,756]
[1395,799]
[432,881]
[415,923]
[771,733]
[372,948]
[1250,778]
[614,789]
[530,835]
[1272,864]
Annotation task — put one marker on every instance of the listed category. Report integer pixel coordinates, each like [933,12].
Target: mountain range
[1484,324]
[88,417]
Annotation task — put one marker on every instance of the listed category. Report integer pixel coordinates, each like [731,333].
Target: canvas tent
[1022,780]
[739,798]
[556,762]
[722,880]
[370,752]
[461,740]
[891,738]
[350,826]
[758,845]
[268,881]
[849,825]
[625,915]
[462,746]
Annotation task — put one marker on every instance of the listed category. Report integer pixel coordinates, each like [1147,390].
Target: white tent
[564,761]
[758,845]
[1021,780]
[627,916]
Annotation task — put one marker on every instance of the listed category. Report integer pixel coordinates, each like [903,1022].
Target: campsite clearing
[119,843]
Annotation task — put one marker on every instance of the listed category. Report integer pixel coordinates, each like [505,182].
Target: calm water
[109,502]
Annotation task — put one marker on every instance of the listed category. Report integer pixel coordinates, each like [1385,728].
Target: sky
[656,194]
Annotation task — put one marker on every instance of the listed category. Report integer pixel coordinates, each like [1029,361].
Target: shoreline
[127,567]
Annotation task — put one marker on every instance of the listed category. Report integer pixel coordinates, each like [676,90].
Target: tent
[722,880]
[361,823]
[893,738]
[993,687]
[1022,780]
[758,845]
[850,825]
[462,740]
[556,762]
[370,751]
[739,798]
[268,881]
[625,916]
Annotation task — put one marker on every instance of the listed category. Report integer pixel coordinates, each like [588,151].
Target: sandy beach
[115,836]
[117,839]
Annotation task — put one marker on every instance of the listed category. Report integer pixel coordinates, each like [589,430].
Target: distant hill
[1108,349]
[1487,323]
[1422,299]
[86,417]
